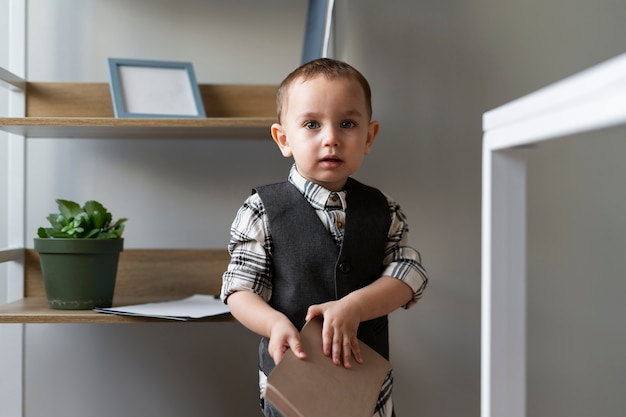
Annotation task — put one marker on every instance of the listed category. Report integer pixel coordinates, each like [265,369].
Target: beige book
[315,386]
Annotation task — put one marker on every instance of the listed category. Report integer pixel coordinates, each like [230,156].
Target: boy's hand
[341,322]
[284,336]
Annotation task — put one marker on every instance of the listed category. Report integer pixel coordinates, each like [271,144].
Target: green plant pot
[79,274]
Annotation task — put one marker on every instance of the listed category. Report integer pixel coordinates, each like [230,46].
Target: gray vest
[309,268]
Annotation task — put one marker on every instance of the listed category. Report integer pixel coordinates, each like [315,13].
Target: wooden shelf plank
[11,255]
[35,310]
[113,128]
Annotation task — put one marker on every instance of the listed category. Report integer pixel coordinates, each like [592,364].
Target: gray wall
[435,67]
[577,332]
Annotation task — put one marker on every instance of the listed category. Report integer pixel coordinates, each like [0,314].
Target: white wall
[435,67]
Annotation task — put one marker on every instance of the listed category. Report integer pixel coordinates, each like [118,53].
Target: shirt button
[340,224]
[334,197]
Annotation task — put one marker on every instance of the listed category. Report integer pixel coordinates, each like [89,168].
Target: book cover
[315,386]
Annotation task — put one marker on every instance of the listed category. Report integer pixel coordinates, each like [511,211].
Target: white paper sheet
[194,307]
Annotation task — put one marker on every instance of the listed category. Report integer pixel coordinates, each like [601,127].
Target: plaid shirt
[250,247]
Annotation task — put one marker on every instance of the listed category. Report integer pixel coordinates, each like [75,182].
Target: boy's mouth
[331,161]
[331,158]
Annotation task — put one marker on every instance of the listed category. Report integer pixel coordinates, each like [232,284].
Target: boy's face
[326,128]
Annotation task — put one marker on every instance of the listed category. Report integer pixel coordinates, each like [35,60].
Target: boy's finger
[337,346]
[351,348]
[296,347]
[313,311]
[347,353]
[356,351]
[327,339]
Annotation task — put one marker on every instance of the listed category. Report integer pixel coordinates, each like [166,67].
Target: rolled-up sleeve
[249,247]
[401,260]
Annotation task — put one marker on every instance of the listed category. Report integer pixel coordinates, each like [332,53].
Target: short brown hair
[329,68]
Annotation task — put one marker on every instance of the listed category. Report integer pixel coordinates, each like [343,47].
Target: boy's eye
[346,124]
[311,125]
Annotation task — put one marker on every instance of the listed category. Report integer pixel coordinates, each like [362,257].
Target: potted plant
[79,254]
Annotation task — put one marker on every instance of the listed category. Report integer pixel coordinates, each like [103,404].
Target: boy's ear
[280,137]
[372,131]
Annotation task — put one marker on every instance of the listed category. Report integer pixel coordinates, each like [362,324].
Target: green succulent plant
[91,221]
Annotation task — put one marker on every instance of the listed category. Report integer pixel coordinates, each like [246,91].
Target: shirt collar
[319,197]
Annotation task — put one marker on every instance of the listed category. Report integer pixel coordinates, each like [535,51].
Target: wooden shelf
[143,276]
[112,128]
[35,310]
[85,110]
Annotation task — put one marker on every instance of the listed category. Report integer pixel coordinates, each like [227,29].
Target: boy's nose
[331,137]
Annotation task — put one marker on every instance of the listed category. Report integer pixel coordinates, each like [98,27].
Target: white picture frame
[154,89]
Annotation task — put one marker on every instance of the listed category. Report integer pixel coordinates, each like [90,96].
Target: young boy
[354,266]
